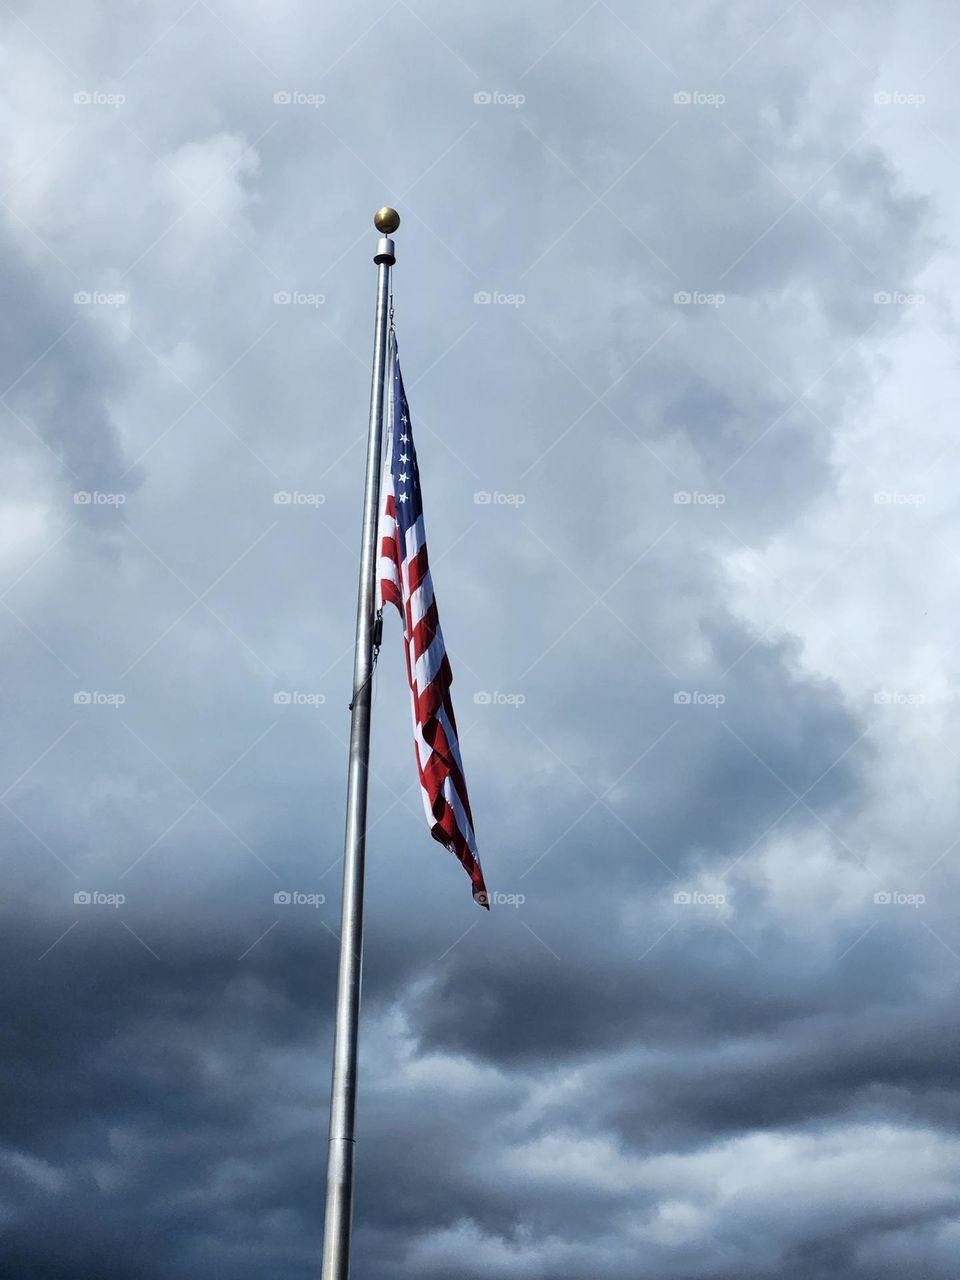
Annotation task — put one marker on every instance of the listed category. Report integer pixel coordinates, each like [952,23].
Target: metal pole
[343,1094]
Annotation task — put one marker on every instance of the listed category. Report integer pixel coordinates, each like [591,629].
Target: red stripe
[418,569]
[449,765]
[425,631]
[455,842]
[430,700]
[390,594]
[413,574]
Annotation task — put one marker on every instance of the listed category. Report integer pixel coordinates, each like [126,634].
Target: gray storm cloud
[674,286]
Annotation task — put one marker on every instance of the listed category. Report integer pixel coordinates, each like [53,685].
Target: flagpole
[343,1093]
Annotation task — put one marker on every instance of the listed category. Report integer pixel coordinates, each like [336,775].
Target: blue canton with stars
[403,462]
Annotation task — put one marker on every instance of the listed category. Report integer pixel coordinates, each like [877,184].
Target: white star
[404,458]
[403,476]
[403,497]
[404,439]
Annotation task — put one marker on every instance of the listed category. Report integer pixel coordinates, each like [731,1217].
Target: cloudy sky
[675,304]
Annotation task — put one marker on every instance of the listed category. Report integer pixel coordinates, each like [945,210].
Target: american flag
[404,580]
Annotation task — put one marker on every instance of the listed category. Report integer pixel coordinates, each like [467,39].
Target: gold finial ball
[386,221]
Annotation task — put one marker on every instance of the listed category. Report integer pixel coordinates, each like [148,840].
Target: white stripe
[387,527]
[424,750]
[427,810]
[428,664]
[414,539]
[387,573]
[416,600]
[453,800]
[420,601]
[452,741]
[449,793]
[387,566]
